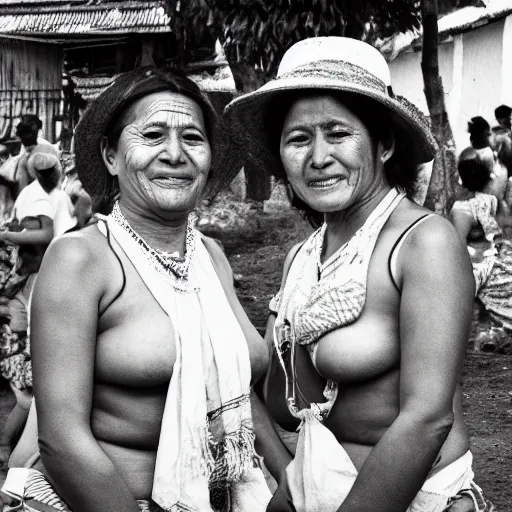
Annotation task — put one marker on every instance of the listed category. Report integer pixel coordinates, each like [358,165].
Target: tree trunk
[257,184]
[444,180]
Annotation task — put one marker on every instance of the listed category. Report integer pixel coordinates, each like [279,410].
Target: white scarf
[207,438]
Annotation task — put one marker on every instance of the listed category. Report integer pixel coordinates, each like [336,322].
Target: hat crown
[342,49]
[43,161]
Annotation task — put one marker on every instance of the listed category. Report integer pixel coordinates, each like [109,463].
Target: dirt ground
[256,253]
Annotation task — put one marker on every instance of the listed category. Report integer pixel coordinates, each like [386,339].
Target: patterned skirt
[495,291]
[29,487]
[15,362]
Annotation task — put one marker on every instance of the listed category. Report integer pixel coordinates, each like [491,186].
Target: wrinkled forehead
[320,107]
[171,109]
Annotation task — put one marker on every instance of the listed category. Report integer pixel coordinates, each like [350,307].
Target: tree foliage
[258,32]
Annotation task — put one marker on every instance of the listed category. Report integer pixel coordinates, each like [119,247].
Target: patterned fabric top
[483,208]
[320,297]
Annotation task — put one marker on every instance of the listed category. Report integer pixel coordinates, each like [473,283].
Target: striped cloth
[29,487]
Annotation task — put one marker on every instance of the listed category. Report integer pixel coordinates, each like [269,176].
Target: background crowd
[41,199]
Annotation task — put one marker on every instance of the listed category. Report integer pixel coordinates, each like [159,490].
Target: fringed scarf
[206,459]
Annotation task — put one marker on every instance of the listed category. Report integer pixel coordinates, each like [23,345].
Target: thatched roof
[63,17]
[221,80]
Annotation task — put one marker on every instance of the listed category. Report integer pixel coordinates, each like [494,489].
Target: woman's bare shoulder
[77,251]
[434,240]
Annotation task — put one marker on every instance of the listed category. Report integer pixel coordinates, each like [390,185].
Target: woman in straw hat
[370,325]
[142,354]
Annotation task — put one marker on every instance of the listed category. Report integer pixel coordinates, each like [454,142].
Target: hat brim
[248,111]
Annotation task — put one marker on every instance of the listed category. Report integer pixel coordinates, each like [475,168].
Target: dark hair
[503,111]
[23,129]
[401,170]
[33,120]
[473,172]
[479,131]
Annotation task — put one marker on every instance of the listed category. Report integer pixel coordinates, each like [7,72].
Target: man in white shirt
[42,199]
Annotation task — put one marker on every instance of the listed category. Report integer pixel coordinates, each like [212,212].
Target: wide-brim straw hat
[104,110]
[336,64]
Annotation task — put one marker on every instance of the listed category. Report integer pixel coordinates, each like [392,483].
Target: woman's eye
[193,137]
[298,139]
[152,135]
[339,134]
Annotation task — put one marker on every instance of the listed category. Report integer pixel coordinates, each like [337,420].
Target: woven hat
[100,115]
[336,64]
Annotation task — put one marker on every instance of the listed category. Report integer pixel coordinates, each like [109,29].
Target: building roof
[55,18]
[462,20]
[469,18]
[220,80]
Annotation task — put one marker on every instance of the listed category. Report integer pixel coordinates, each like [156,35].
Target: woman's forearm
[268,443]
[84,476]
[397,467]
[31,237]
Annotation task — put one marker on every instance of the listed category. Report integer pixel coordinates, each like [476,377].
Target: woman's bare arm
[40,236]
[435,315]
[65,304]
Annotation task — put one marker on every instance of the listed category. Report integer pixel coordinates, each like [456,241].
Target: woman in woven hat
[370,326]
[143,356]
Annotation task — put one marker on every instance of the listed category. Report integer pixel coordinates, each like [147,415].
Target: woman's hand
[282,499]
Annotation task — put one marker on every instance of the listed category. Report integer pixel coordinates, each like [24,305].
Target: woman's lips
[327,183]
[172,181]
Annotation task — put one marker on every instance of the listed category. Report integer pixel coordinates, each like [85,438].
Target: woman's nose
[174,149]
[321,155]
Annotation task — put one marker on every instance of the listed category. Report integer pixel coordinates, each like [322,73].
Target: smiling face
[163,156]
[328,154]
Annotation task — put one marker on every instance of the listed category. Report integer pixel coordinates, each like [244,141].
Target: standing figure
[370,326]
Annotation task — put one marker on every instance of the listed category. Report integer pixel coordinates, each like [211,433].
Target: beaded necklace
[168,264]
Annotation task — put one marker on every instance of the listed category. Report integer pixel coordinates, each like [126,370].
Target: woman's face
[327,153]
[163,155]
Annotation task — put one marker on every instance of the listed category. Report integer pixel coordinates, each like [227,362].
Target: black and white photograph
[255,255]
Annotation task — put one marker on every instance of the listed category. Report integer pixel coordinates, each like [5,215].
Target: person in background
[479,132]
[28,132]
[36,125]
[41,212]
[503,115]
[481,226]
[481,139]
[369,329]
[7,173]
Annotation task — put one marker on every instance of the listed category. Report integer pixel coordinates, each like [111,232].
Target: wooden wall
[30,83]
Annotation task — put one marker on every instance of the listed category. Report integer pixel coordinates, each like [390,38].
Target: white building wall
[471,67]
[506,63]
[482,78]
